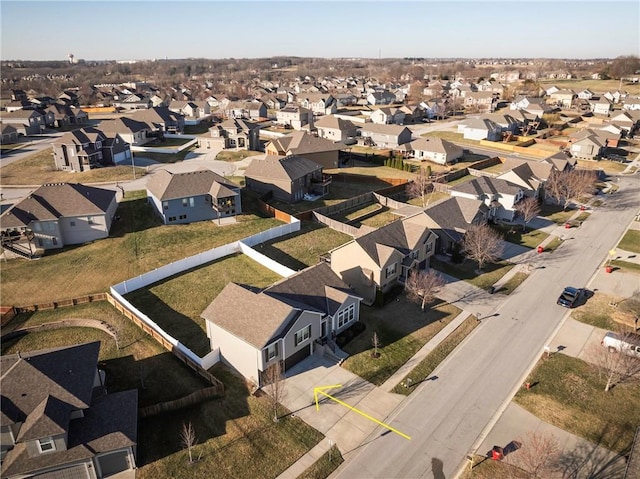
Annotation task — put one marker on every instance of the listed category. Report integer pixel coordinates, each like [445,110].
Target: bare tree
[614,367]
[422,286]
[188,438]
[422,185]
[537,455]
[273,379]
[375,342]
[528,208]
[482,244]
[631,306]
[563,186]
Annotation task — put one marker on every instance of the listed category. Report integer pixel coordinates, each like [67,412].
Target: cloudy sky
[122,30]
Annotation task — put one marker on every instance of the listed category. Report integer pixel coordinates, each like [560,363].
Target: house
[65,115]
[384,136]
[246,110]
[60,214]
[318,103]
[286,322]
[561,161]
[336,129]
[58,420]
[294,116]
[287,178]
[631,104]
[388,116]
[133,101]
[433,108]
[190,109]
[376,262]
[588,148]
[563,98]
[233,133]
[601,106]
[324,152]
[161,119]
[381,97]
[531,104]
[9,134]
[180,198]
[450,219]
[479,100]
[436,149]
[132,131]
[499,195]
[627,120]
[529,175]
[585,94]
[88,148]
[27,122]
[345,99]
[480,129]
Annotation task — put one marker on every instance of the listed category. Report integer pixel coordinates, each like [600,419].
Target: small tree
[614,367]
[537,456]
[274,385]
[422,185]
[188,438]
[529,208]
[375,342]
[482,244]
[422,286]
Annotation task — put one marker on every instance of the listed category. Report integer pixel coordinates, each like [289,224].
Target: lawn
[512,283]
[38,169]
[423,370]
[164,157]
[569,393]
[138,243]
[324,466]
[553,244]
[176,303]
[604,165]
[514,234]
[630,241]
[229,430]
[458,181]
[467,271]
[375,171]
[374,215]
[300,250]
[402,330]
[599,311]
[556,213]
[626,266]
[231,155]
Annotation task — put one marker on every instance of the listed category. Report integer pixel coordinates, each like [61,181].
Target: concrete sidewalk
[305,462]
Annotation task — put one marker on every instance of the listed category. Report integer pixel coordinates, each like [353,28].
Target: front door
[323,329]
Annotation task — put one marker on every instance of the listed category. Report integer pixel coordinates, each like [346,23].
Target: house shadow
[133,216]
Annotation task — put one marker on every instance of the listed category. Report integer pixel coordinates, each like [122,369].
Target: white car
[628,343]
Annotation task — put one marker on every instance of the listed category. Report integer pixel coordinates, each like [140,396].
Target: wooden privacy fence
[167,345]
[189,400]
[61,303]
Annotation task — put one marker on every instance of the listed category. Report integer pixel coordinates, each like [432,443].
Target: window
[90,220]
[183,217]
[165,205]
[346,315]
[391,270]
[271,351]
[192,202]
[185,201]
[46,444]
[303,335]
[428,247]
[72,223]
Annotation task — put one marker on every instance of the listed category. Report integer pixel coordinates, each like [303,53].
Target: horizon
[217,30]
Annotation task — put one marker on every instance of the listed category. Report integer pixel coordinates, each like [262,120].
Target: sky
[145,29]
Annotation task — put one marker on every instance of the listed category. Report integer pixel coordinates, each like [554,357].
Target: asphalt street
[448,418]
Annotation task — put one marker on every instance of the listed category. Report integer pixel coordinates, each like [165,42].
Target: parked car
[628,343]
[570,297]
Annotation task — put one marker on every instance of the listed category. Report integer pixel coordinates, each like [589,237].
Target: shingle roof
[394,130]
[330,121]
[56,200]
[165,185]
[437,145]
[484,185]
[455,214]
[281,168]
[301,143]
[49,418]
[123,125]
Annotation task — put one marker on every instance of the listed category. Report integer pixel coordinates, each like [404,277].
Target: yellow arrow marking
[320,390]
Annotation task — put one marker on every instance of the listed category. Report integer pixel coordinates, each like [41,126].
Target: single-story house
[285,323]
[480,129]
[9,134]
[61,214]
[588,148]
[381,97]
[161,119]
[58,420]
[388,116]
[601,106]
[288,178]
[200,195]
[384,136]
[436,149]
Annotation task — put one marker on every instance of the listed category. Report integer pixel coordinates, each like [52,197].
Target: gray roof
[165,185]
[55,200]
[484,185]
[393,130]
[281,167]
[124,125]
[330,121]
[454,215]
[301,143]
[437,145]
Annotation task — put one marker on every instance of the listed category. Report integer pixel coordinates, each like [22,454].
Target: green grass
[138,243]
[530,239]
[626,266]
[374,215]
[569,393]
[582,217]
[402,330]
[39,168]
[607,166]
[467,271]
[553,244]
[422,371]
[176,303]
[556,214]
[324,466]
[630,241]
[304,248]
[232,155]
[512,283]
[598,312]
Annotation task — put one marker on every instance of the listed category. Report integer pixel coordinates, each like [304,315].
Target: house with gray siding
[88,148]
[501,196]
[286,322]
[201,195]
[59,422]
[384,136]
[60,214]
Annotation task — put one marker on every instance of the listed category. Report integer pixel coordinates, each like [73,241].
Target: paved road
[448,418]
[31,145]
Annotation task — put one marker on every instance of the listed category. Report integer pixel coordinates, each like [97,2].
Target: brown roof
[437,145]
[330,121]
[124,125]
[55,200]
[487,186]
[455,214]
[301,143]
[281,168]
[165,185]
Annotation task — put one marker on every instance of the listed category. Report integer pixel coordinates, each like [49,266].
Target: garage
[113,463]
[296,357]
[122,156]
[73,472]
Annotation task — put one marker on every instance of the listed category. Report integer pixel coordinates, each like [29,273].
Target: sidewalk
[305,462]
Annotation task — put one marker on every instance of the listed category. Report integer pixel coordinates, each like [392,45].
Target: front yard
[514,234]
[467,271]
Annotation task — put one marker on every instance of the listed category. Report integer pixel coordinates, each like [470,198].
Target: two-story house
[132,131]
[500,196]
[336,129]
[58,420]
[384,136]
[294,116]
[322,151]
[200,195]
[233,133]
[161,119]
[285,323]
[88,148]
[374,263]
